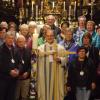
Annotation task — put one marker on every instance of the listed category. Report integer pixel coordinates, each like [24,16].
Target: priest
[50,70]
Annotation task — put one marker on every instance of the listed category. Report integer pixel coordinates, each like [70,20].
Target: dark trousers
[7,89]
[70,96]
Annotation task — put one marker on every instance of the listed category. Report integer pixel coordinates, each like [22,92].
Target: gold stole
[54,90]
[56,93]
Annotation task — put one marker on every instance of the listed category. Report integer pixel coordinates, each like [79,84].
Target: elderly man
[50,71]
[51,22]
[24,64]
[8,68]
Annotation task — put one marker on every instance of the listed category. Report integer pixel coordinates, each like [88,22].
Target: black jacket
[77,80]
[6,64]
[24,60]
[93,54]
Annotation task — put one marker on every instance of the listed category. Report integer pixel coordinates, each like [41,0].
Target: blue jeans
[82,93]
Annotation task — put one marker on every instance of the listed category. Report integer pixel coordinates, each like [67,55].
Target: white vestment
[50,81]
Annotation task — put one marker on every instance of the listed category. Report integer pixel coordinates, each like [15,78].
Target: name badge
[81,73]
[13,61]
[22,61]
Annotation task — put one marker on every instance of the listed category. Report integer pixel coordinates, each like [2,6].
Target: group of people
[65,61]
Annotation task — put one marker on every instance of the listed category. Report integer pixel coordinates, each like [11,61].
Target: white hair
[4,24]
[21,37]
[23,26]
[32,24]
[10,33]
[82,18]
[51,17]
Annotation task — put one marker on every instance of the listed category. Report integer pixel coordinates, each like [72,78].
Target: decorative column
[69,14]
[75,9]
[81,7]
[67,6]
[21,10]
[32,9]
[41,10]
[13,3]
[37,11]
[64,6]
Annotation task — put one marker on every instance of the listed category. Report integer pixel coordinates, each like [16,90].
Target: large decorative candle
[32,5]
[69,10]
[35,40]
[13,1]
[41,6]
[75,9]
[64,6]
[53,4]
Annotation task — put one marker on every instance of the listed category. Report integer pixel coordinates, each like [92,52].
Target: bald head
[21,41]
[50,17]
[50,20]
[49,36]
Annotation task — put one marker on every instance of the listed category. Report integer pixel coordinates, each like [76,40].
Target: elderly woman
[81,76]
[92,52]
[61,36]
[4,26]
[69,44]
[90,26]
[79,32]
[41,38]
[32,27]
[24,30]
